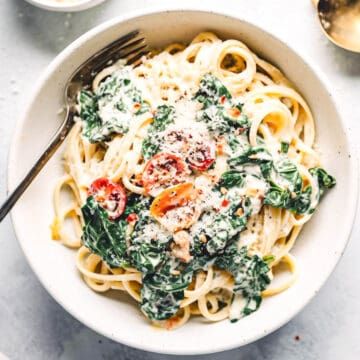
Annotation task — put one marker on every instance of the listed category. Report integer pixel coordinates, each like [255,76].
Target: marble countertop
[32,324]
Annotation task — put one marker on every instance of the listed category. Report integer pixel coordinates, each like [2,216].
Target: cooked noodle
[277,112]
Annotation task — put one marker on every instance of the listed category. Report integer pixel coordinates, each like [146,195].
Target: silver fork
[130,47]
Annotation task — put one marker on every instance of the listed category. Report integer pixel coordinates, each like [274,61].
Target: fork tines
[128,47]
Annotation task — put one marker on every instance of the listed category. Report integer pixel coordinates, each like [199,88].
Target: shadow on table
[49,30]
[93,346]
[347,62]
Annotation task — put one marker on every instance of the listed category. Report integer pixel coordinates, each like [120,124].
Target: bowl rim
[54,6]
[353,159]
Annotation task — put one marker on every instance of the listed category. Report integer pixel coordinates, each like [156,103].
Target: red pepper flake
[136,107]
[132,218]
[222,99]
[225,202]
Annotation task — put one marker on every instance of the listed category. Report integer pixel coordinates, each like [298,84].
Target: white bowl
[318,248]
[65,5]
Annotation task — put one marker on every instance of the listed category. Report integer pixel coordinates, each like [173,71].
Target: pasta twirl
[191,176]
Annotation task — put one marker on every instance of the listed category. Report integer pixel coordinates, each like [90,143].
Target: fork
[130,47]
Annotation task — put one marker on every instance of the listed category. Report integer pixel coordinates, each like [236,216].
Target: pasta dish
[187,180]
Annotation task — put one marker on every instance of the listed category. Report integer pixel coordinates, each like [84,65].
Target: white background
[32,325]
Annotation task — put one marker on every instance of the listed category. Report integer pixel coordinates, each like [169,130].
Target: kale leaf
[103,236]
[254,155]
[210,91]
[324,180]
[250,276]
[277,196]
[146,257]
[232,178]
[122,100]
[284,147]
[214,119]
[135,204]
[164,116]
[220,228]
[302,202]
[286,188]
[220,111]
[147,254]
[287,170]
[89,114]
[149,148]
[298,202]
[163,291]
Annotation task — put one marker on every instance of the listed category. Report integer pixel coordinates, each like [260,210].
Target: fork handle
[56,141]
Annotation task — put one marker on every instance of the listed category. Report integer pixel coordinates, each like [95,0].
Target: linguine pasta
[212,149]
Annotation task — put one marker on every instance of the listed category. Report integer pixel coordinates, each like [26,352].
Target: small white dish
[65,5]
[318,248]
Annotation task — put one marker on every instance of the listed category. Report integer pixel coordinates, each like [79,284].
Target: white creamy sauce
[242,145]
[257,186]
[247,238]
[153,232]
[120,106]
[221,166]
[285,184]
[205,222]
[178,217]
[236,307]
[209,199]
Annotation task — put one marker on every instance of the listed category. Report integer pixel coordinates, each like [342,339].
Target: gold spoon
[340,20]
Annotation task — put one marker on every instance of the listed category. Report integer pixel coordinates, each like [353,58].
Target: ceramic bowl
[318,248]
[65,5]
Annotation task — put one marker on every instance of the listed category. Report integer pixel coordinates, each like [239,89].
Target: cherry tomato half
[110,196]
[198,151]
[162,171]
[200,156]
[176,207]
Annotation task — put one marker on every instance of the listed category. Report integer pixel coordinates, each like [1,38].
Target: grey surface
[32,325]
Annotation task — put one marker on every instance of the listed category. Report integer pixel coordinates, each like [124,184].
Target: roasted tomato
[176,207]
[163,170]
[110,195]
[200,155]
[197,150]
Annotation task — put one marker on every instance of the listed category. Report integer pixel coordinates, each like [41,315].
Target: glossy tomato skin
[111,196]
[179,196]
[162,171]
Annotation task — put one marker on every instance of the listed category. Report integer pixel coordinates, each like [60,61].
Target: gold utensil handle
[315,3]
